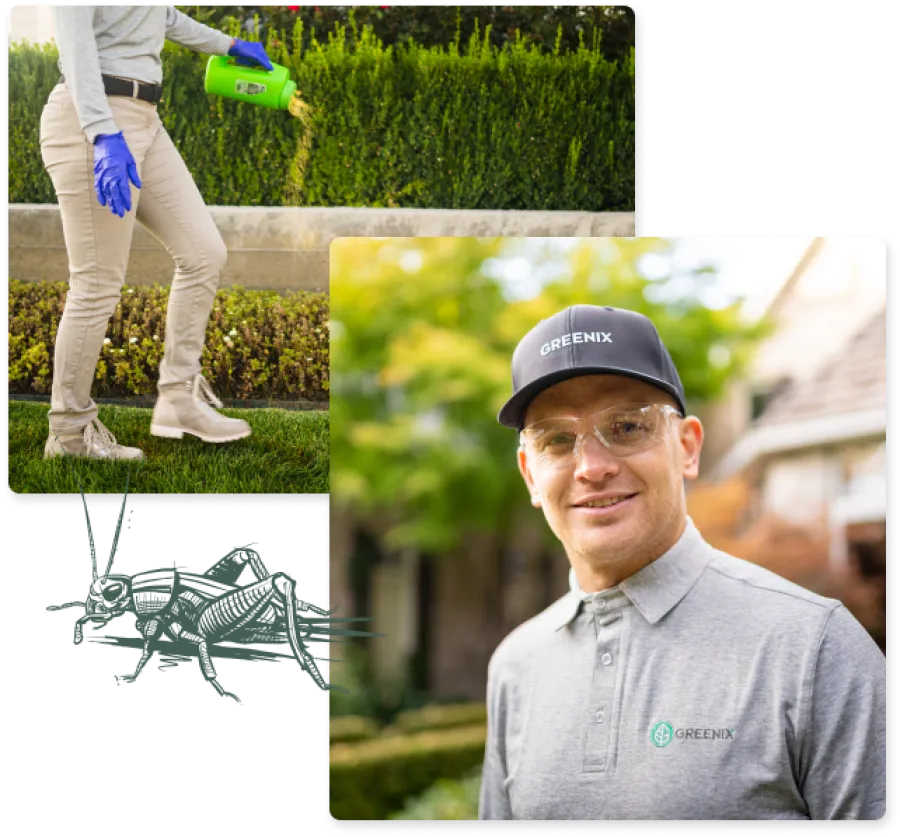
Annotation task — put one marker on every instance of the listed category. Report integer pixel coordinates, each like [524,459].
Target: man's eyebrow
[619,402]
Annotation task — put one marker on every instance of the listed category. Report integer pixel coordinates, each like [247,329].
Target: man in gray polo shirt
[673,681]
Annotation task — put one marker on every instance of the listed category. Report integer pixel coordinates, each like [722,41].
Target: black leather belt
[130,87]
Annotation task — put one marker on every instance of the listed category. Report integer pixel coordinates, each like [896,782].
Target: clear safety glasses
[623,431]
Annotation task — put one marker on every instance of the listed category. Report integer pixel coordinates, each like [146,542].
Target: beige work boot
[188,408]
[94,441]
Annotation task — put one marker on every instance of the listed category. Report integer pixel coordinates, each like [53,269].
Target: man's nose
[593,461]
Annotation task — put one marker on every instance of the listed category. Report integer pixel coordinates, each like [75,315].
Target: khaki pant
[98,244]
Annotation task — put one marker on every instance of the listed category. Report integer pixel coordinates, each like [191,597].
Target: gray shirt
[702,687]
[121,41]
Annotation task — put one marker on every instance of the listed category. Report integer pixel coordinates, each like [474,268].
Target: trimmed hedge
[441,716]
[371,779]
[467,126]
[550,27]
[259,345]
[347,728]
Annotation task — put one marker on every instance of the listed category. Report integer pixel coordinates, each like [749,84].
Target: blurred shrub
[258,345]
[355,675]
[372,779]
[438,717]
[349,728]
[447,799]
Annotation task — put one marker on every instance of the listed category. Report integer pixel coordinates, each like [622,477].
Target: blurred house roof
[845,400]
[790,284]
[836,287]
[854,380]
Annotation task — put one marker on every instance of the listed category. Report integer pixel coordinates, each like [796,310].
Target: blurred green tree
[422,334]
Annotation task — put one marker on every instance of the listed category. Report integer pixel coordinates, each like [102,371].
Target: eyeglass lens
[621,430]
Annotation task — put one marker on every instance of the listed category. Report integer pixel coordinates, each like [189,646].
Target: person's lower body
[98,244]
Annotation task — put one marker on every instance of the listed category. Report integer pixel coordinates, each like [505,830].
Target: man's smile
[597,505]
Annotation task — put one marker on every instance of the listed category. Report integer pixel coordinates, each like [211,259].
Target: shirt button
[600,716]
[606,659]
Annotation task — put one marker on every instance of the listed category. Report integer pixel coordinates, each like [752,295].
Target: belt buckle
[135,89]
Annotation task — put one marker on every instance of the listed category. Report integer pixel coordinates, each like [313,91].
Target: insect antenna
[119,519]
[88,527]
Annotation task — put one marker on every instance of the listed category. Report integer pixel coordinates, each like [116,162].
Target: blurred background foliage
[415,441]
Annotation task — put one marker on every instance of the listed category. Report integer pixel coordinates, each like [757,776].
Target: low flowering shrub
[259,344]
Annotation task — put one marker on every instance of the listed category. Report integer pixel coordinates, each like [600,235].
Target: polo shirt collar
[655,589]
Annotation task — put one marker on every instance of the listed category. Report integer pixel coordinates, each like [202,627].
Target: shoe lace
[95,432]
[203,390]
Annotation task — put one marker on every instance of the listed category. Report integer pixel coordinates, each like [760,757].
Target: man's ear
[525,471]
[691,438]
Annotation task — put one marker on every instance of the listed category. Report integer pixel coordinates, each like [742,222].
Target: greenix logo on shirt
[662,734]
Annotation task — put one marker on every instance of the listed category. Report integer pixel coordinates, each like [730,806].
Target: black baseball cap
[588,340]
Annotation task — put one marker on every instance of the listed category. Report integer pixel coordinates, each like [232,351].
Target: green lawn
[287,453]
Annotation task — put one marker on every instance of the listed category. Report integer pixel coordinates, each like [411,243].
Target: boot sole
[177,433]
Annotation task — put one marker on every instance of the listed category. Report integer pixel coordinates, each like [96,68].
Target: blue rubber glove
[113,168]
[249,54]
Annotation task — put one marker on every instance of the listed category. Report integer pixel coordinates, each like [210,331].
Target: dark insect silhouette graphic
[209,608]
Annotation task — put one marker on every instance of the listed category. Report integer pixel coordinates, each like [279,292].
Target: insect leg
[151,631]
[206,665]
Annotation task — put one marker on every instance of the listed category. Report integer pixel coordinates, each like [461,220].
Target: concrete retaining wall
[283,248]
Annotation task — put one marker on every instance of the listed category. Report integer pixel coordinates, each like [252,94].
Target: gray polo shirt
[702,687]
[121,41]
